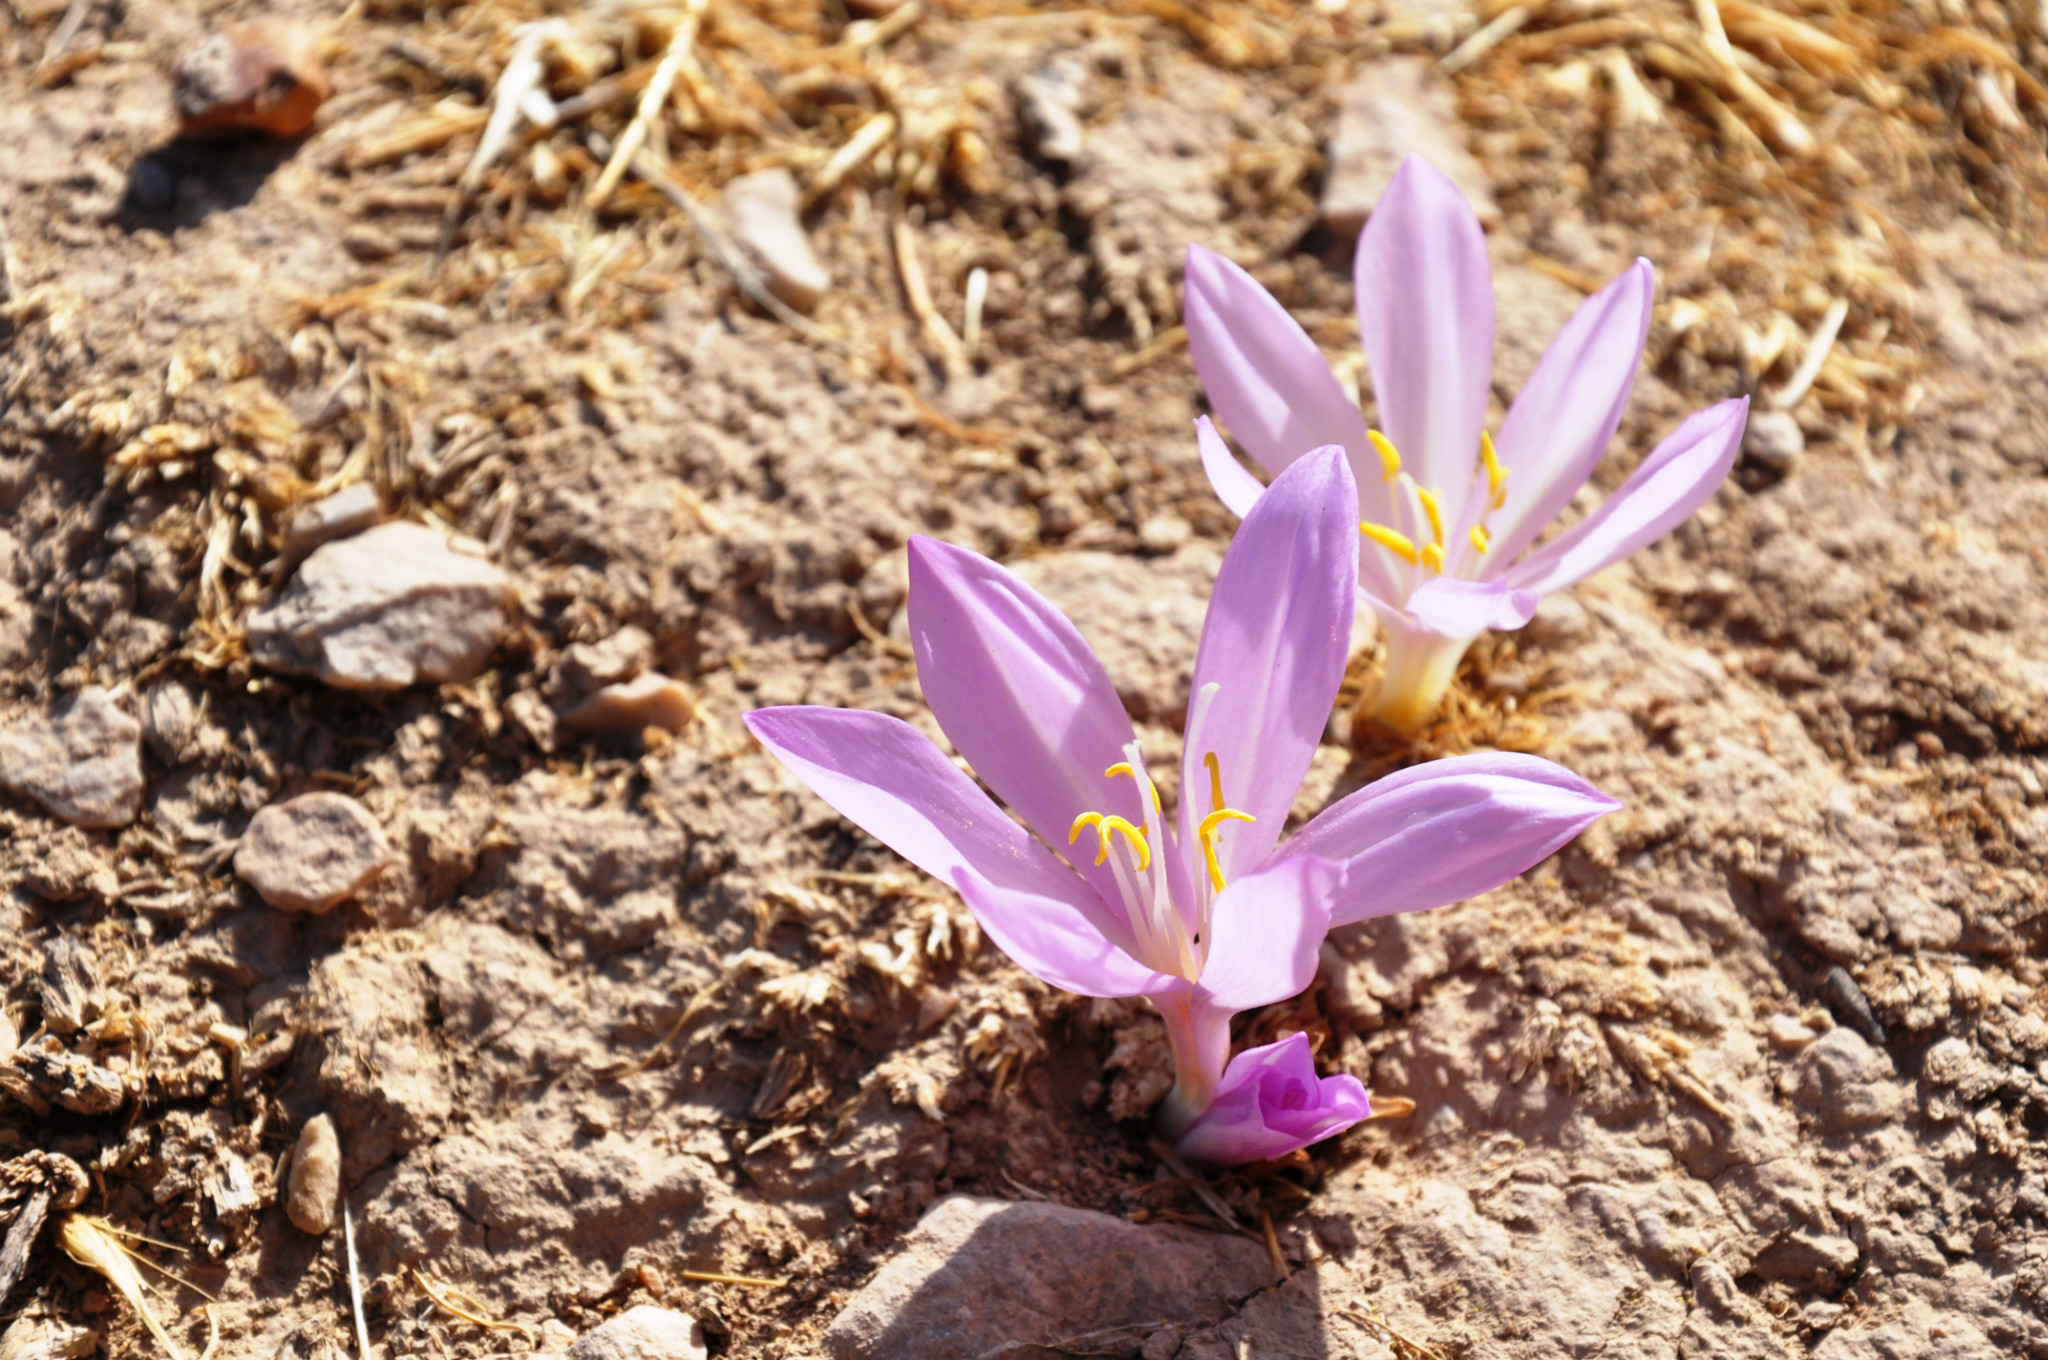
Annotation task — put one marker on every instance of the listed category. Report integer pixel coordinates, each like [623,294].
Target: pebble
[643,1332]
[385,608]
[761,210]
[981,1275]
[260,76]
[312,853]
[348,511]
[651,700]
[315,1190]
[1845,1083]
[1773,440]
[1164,533]
[83,762]
[1050,99]
[1788,1033]
[586,666]
[1387,111]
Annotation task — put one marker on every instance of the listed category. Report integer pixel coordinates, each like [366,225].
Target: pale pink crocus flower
[1203,910]
[1449,515]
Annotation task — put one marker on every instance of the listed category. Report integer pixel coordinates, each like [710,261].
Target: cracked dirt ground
[621,1011]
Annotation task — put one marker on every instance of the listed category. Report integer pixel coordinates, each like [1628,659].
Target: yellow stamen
[1093,819]
[1206,833]
[1215,781]
[1399,544]
[1435,511]
[1496,475]
[1106,827]
[1124,767]
[1481,539]
[1390,458]
[1433,556]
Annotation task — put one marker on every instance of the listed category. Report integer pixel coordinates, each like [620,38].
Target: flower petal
[1454,608]
[1266,929]
[887,778]
[1273,646]
[1019,693]
[1675,480]
[1562,420]
[1271,1102]
[1425,312]
[1263,374]
[1232,483]
[1449,830]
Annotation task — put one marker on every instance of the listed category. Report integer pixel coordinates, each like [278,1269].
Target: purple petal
[1274,645]
[1271,1102]
[1562,420]
[1454,608]
[887,778]
[1266,929]
[1425,311]
[1675,480]
[1263,374]
[1449,830]
[1019,693]
[1233,485]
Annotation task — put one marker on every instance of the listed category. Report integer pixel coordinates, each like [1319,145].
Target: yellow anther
[1085,819]
[1433,556]
[1390,458]
[1399,544]
[1215,781]
[1435,510]
[1124,767]
[1481,539]
[1206,834]
[1106,827]
[1496,475]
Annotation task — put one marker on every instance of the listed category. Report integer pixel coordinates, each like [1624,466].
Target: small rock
[83,762]
[652,700]
[370,243]
[1050,99]
[42,1338]
[1849,1004]
[977,1275]
[315,1193]
[1773,440]
[1788,1034]
[261,76]
[311,853]
[1164,533]
[586,666]
[761,209]
[556,1335]
[1386,112]
[348,511]
[170,721]
[531,715]
[1846,1083]
[70,987]
[643,1332]
[396,604]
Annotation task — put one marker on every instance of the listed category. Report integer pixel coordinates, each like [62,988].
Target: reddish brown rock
[260,76]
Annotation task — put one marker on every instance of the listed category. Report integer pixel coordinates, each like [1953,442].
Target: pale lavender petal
[1263,374]
[1454,608]
[887,778]
[1273,646]
[1675,480]
[1449,830]
[1425,311]
[1562,420]
[1271,1102]
[1233,484]
[1266,929]
[1019,693]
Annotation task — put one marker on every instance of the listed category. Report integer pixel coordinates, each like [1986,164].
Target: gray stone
[311,853]
[976,1275]
[348,511]
[1386,112]
[1773,440]
[1050,100]
[1845,1083]
[643,1332]
[397,604]
[83,762]
[762,211]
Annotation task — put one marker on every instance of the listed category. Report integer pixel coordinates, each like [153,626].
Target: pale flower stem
[1419,670]
[1194,1081]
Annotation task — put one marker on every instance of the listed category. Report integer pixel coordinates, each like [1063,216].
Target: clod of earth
[314,1199]
[40,1338]
[312,853]
[261,76]
[762,210]
[394,605]
[643,1332]
[83,762]
[978,1274]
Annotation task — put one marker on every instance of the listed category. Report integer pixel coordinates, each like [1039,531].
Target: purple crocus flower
[1448,519]
[1203,910]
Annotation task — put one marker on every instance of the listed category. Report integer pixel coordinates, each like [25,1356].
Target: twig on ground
[1485,40]
[448,1299]
[519,93]
[1165,1153]
[1816,355]
[919,295]
[652,101]
[355,1281]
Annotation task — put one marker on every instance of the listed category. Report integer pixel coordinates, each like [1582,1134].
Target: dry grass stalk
[1817,350]
[919,295]
[652,100]
[92,1243]
[1783,124]
[452,1301]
